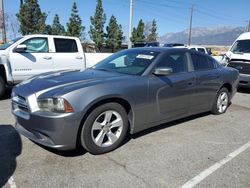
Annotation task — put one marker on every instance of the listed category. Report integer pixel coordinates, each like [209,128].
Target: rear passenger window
[65,45]
[200,62]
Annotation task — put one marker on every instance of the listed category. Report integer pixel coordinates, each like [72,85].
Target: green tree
[97,23]
[31,18]
[138,33]
[74,26]
[48,30]
[114,34]
[57,28]
[152,32]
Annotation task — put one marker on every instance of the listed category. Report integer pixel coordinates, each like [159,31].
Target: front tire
[221,102]
[105,128]
[2,87]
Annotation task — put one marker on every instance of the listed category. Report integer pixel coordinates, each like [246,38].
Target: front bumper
[57,131]
[244,80]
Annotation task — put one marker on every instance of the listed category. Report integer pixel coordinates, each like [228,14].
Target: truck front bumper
[244,80]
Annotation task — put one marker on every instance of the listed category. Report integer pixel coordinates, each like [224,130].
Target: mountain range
[223,36]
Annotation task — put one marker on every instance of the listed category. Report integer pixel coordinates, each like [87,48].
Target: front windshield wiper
[103,69]
[240,53]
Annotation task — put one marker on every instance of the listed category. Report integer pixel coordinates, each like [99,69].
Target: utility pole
[2,22]
[190,26]
[130,24]
[248,29]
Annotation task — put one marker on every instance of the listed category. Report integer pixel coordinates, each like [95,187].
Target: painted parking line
[12,183]
[197,179]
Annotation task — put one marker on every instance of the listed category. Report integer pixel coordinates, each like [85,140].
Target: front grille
[243,68]
[20,106]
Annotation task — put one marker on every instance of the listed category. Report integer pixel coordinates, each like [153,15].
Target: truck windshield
[241,46]
[8,44]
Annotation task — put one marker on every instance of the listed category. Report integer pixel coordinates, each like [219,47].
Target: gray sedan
[128,92]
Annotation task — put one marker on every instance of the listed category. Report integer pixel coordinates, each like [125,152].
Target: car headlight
[57,105]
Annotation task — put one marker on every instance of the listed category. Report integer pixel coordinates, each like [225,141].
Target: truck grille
[20,106]
[243,68]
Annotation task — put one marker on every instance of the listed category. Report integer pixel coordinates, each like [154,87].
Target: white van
[238,57]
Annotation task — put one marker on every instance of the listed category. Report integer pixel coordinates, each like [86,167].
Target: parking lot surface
[214,150]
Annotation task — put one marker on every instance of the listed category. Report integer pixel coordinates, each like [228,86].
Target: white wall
[93,58]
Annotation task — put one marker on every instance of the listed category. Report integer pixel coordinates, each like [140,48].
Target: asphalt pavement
[202,151]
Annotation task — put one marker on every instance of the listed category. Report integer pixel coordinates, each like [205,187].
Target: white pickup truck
[30,55]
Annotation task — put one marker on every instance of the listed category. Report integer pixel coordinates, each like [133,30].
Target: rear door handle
[47,57]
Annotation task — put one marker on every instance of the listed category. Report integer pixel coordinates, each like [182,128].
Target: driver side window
[176,61]
[37,45]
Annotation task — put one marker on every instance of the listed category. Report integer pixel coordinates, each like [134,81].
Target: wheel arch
[123,102]
[228,86]
[3,73]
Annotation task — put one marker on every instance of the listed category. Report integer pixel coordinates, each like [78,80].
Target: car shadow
[243,90]
[10,148]
[7,94]
[166,125]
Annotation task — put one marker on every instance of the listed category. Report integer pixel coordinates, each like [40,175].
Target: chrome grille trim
[242,67]
[20,106]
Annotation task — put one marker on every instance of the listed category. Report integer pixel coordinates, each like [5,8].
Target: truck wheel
[221,102]
[2,87]
[104,129]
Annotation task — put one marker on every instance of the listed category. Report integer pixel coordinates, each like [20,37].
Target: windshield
[133,62]
[241,46]
[8,44]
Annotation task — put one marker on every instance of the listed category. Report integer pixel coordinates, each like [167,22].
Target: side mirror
[162,71]
[20,48]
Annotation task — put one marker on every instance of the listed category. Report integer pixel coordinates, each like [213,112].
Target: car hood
[243,56]
[2,52]
[61,79]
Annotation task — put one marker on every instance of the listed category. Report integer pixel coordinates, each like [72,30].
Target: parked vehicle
[238,57]
[173,45]
[146,44]
[130,91]
[199,49]
[30,55]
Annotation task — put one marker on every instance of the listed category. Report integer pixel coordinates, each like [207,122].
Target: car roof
[195,46]
[244,36]
[160,49]
[44,35]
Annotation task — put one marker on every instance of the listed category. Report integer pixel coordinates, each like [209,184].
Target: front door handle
[79,57]
[47,57]
[214,76]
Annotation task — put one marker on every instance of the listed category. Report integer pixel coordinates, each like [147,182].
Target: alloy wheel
[222,102]
[107,128]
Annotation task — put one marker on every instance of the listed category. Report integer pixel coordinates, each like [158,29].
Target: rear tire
[2,87]
[104,129]
[221,102]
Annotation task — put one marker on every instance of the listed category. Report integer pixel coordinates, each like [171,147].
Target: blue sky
[171,15]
